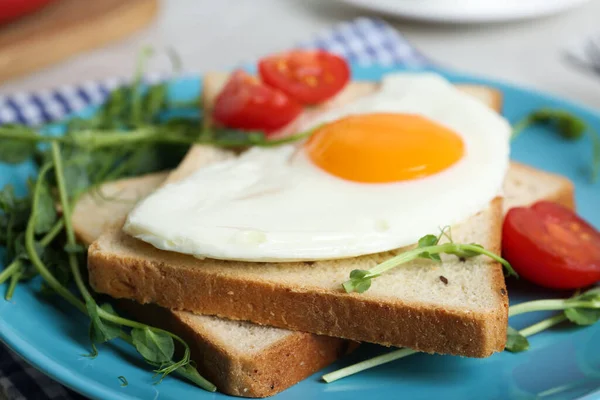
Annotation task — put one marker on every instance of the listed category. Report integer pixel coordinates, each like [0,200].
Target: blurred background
[48,43]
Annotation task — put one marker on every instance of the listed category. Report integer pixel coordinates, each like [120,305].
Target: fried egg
[376,175]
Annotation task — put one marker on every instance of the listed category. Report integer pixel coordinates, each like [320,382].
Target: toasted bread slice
[240,358]
[237,367]
[525,185]
[467,317]
[96,211]
[410,306]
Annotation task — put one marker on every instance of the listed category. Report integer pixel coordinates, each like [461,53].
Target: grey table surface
[213,34]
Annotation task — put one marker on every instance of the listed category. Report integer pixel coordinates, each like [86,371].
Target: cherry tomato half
[551,246]
[309,76]
[13,9]
[246,103]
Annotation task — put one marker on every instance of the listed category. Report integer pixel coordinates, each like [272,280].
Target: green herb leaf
[592,294]
[466,253]
[235,137]
[100,330]
[7,198]
[15,210]
[584,315]
[428,240]
[154,101]
[359,282]
[569,125]
[19,147]
[55,260]
[74,248]
[46,213]
[77,177]
[515,342]
[128,135]
[358,274]
[14,280]
[155,346]
[362,285]
[361,279]
[431,256]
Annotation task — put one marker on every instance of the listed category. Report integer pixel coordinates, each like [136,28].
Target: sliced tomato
[248,104]
[13,9]
[551,246]
[309,76]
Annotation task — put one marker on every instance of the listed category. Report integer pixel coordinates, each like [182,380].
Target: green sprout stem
[13,135]
[14,280]
[122,167]
[8,271]
[66,210]
[136,92]
[52,233]
[368,364]
[289,139]
[437,249]
[13,271]
[67,295]
[405,352]
[137,325]
[519,127]
[92,140]
[543,325]
[415,253]
[550,305]
[31,251]
[569,126]
[74,265]
[186,372]
[109,129]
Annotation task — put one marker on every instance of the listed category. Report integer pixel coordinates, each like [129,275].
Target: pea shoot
[568,126]
[428,247]
[126,136]
[581,309]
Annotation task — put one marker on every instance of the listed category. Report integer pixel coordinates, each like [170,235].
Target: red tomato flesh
[13,9]
[551,246]
[309,76]
[246,103]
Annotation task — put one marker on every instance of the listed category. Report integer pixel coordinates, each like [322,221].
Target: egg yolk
[381,148]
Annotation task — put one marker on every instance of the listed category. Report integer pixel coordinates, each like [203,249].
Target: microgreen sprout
[125,137]
[568,125]
[581,309]
[428,247]
[136,130]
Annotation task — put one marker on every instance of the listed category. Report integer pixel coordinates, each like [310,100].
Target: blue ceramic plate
[563,363]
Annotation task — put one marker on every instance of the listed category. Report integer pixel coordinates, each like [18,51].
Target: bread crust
[148,275]
[300,354]
[265,373]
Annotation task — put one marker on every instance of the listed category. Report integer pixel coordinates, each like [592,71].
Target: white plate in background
[467,11]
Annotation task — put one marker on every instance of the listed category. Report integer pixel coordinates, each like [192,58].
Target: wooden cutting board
[65,28]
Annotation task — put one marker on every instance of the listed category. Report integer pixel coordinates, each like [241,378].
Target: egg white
[273,204]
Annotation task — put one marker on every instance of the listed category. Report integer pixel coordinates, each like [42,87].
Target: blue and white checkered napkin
[362,41]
